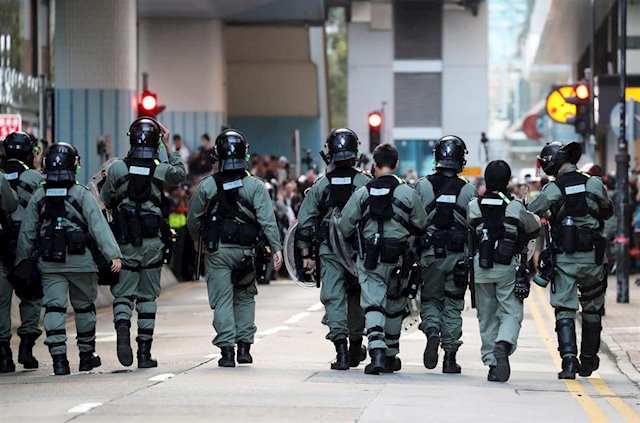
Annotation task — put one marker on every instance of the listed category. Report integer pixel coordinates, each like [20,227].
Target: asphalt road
[290,379]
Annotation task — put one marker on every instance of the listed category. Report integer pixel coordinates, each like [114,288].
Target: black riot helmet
[22,146]
[144,136]
[554,154]
[342,144]
[231,150]
[497,176]
[61,163]
[449,153]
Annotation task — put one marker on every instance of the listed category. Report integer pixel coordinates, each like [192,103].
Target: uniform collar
[568,168]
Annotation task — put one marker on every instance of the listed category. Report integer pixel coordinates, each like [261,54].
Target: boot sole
[452,371]
[29,364]
[64,372]
[374,371]
[566,376]
[503,370]
[247,360]
[339,367]
[430,356]
[125,355]
[355,359]
[8,369]
[147,366]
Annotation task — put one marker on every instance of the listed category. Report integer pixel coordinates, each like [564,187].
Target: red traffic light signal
[375,120]
[148,105]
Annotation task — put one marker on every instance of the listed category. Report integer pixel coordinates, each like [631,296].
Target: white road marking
[211,356]
[106,338]
[296,318]
[272,331]
[84,407]
[316,307]
[162,377]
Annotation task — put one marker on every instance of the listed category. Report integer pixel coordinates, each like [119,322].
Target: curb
[610,347]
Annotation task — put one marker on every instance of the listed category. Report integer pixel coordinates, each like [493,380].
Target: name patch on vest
[140,170]
[341,181]
[449,199]
[492,201]
[56,192]
[575,189]
[378,192]
[232,185]
[11,176]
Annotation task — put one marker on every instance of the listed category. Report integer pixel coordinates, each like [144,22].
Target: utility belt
[383,250]
[58,242]
[444,240]
[229,231]
[131,227]
[575,239]
[500,251]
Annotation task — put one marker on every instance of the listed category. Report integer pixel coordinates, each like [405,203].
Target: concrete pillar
[185,61]
[95,75]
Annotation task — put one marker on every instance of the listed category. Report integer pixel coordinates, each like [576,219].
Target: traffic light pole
[622,172]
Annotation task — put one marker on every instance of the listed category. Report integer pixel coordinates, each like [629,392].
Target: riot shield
[293,261]
[341,248]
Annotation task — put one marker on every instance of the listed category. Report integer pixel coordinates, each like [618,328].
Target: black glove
[26,280]
[523,286]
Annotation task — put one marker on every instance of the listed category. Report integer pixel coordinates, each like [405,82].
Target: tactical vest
[338,191]
[493,207]
[13,170]
[446,190]
[227,222]
[502,245]
[573,186]
[139,179]
[381,201]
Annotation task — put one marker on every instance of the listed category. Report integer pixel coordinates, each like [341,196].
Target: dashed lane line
[84,407]
[296,318]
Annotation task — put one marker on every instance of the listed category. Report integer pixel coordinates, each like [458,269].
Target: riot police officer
[574,262]
[20,149]
[133,191]
[502,227]
[340,291]
[446,197]
[230,212]
[8,205]
[388,211]
[65,219]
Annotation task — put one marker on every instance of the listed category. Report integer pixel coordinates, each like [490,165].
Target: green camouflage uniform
[381,299]
[233,305]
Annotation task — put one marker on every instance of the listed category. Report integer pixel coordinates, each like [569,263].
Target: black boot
[6,358]
[449,364]
[501,352]
[568,348]
[227,359]
[492,376]
[25,352]
[123,343]
[342,356]
[589,347]
[145,360]
[357,353]
[430,356]
[244,357]
[60,365]
[89,360]
[392,364]
[377,362]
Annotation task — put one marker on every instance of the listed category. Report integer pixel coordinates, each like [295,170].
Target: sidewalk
[621,329]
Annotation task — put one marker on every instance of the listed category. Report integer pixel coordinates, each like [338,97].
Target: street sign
[9,123]
[632,92]
[558,108]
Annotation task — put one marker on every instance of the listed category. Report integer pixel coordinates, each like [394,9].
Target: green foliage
[336,29]
[11,24]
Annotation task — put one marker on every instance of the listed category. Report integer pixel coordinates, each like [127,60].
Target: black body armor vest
[446,190]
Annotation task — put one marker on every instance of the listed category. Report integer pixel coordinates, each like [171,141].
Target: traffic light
[375,127]
[148,105]
[581,98]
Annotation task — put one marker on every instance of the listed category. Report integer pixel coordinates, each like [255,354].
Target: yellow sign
[557,107]
[632,92]
[471,171]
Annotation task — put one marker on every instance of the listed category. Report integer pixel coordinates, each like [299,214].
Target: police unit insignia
[576,189]
[341,181]
[492,201]
[56,192]
[378,192]
[140,170]
[449,199]
[11,176]
[232,185]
